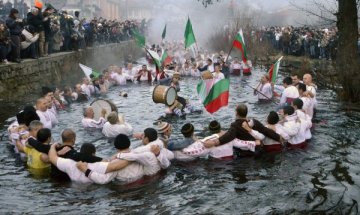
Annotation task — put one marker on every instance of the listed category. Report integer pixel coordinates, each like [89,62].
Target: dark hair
[187,130]
[273,118]
[88,149]
[77,13]
[13,11]
[302,87]
[151,133]
[68,135]
[242,110]
[43,135]
[214,127]
[298,103]
[289,110]
[295,74]
[121,142]
[287,81]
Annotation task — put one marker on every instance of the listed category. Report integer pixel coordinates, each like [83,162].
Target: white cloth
[279,129]
[130,73]
[110,130]
[45,119]
[295,129]
[69,167]
[91,123]
[195,73]
[265,89]
[218,76]
[308,106]
[312,89]
[85,88]
[305,123]
[53,115]
[291,92]
[120,79]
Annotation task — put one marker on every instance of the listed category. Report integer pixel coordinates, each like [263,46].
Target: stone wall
[20,81]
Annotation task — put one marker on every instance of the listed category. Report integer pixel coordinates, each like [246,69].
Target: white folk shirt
[91,123]
[69,167]
[120,79]
[265,89]
[130,73]
[295,129]
[312,89]
[279,129]
[53,115]
[290,93]
[145,163]
[195,73]
[236,66]
[45,119]
[308,106]
[110,130]
[218,76]
[85,88]
[305,123]
[227,149]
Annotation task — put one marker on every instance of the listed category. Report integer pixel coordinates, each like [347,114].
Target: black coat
[14,27]
[36,21]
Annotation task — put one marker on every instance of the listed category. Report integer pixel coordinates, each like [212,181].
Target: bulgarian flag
[139,38]
[214,94]
[89,71]
[155,56]
[189,35]
[239,43]
[165,58]
[274,70]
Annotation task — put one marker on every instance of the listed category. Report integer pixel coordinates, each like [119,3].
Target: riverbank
[20,81]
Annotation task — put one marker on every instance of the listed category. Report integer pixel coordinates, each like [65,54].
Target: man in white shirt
[310,89]
[264,90]
[116,125]
[89,122]
[308,102]
[119,77]
[85,87]
[146,163]
[130,72]
[42,112]
[290,93]
[218,75]
[297,104]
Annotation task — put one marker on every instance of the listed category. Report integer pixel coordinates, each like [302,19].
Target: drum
[206,75]
[100,104]
[164,94]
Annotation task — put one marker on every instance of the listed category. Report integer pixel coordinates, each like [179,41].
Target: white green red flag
[189,35]
[89,71]
[214,94]
[274,70]
[155,56]
[239,43]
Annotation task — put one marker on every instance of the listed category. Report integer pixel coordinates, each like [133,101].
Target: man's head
[287,82]
[302,88]
[86,81]
[121,142]
[297,104]
[78,88]
[14,13]
[34,127]
[214,127]
[217,68]
[89,112]
[44,136]
[307,79]
[265,79]
[241,110]
[88,149]
[187,130]
[272,118]
[35,11]
[113,118]
[176,77]
[288,110]
[295,79]
[68,137]
[150,135]
[209,61]
[144,67]
[42,104]
[164,128]
[129,66]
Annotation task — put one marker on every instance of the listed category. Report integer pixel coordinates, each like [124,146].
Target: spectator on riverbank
[4,43]
[15,26]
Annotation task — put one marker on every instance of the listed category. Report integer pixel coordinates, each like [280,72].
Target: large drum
[206,75]
[100,104]
[164,94]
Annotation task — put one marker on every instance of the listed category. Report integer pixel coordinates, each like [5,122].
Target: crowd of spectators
[45,30]
[318,43]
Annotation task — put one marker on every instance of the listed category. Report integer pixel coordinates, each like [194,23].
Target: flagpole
[232,43]
[262,94]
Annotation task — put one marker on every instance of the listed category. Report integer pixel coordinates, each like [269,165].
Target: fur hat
[162,127]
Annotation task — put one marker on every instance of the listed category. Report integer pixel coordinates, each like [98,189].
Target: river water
[325,178]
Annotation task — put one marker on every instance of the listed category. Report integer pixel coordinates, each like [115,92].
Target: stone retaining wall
[18,81]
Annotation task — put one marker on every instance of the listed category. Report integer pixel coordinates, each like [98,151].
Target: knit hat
[214,126]
[187,130]
[121,142]
[38,4]
[162,127]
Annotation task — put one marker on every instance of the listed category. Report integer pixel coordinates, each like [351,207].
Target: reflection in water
[325,178]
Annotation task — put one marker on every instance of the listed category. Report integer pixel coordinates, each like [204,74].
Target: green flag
[164,33]
[189,34]
[139,38]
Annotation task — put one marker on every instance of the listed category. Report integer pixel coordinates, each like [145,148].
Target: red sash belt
[273,148]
